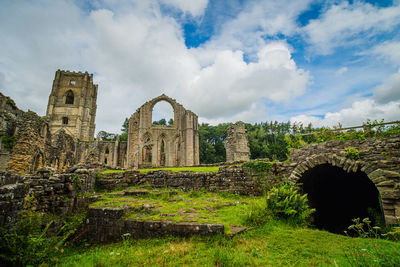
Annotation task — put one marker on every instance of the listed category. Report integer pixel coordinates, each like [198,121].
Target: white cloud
[358,113]
[389,50]
[230,86]
[194,7]
[340,71]
[257,20]
[389,90]
[341,24]
[136,54]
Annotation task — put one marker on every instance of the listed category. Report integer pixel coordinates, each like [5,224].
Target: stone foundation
[107,225]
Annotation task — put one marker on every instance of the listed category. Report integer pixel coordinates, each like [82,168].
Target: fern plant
[285,202]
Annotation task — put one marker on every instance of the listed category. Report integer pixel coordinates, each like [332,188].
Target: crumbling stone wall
[9,115]
[227,179]
[146,141]
[57,193]
[236,144]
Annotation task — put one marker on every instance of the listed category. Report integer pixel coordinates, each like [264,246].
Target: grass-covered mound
[177,206]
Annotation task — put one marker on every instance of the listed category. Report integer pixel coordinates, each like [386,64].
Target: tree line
[272,140]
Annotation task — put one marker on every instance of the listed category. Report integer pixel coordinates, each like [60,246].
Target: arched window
[107,150]
[163,114]
[69,99]
[65,120]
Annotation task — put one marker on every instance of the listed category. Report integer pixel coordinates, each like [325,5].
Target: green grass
[193,206]
[174,169]
[276,244]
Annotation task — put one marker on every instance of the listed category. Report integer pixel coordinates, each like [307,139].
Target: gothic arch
[162,149]
[146,138]
[37,162]
[163,97]
[167,99]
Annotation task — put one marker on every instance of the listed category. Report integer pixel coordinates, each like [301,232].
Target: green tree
[160,122]
[211,142]
[125,126]
[105,136]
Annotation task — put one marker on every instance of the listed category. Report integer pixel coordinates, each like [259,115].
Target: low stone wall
[57,193]
[227,179]
[107,225]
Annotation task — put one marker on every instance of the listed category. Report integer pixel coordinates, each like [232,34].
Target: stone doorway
[339,197]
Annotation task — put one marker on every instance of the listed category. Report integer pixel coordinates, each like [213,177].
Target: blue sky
[324,62]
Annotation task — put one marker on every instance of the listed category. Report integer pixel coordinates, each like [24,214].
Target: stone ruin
[65,136]
[152,145]
[236,144]
[34,149]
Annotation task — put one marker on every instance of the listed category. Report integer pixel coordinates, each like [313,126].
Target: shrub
[352,153]
[284,202]
[9,142]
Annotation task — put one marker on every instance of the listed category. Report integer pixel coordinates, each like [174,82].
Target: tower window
[69,99]
[72,82]
[65,120]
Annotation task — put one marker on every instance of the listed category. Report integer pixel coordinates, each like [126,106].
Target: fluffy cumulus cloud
[138,55]
[257,20]
[345,23]
[137,51]
[358,113]
[230,86]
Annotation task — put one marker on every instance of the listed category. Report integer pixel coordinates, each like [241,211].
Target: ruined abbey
[46,155]
[66,135]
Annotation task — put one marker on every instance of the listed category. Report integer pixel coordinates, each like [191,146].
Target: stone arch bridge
[340,188]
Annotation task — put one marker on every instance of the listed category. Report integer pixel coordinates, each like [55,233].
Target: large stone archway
[384,181]
[175,145]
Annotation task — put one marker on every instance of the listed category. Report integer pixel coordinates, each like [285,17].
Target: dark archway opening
[339,197]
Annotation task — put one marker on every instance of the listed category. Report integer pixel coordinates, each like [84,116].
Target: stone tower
[72,104]
[236,144]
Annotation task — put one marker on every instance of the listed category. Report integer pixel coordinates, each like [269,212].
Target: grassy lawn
[175,169]
[193,206]
[275,244]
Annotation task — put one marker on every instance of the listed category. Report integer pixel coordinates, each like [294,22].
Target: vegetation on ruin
[10,102]
[352,153]
[173,169]
[8,142]
[260,170]
[37,237]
